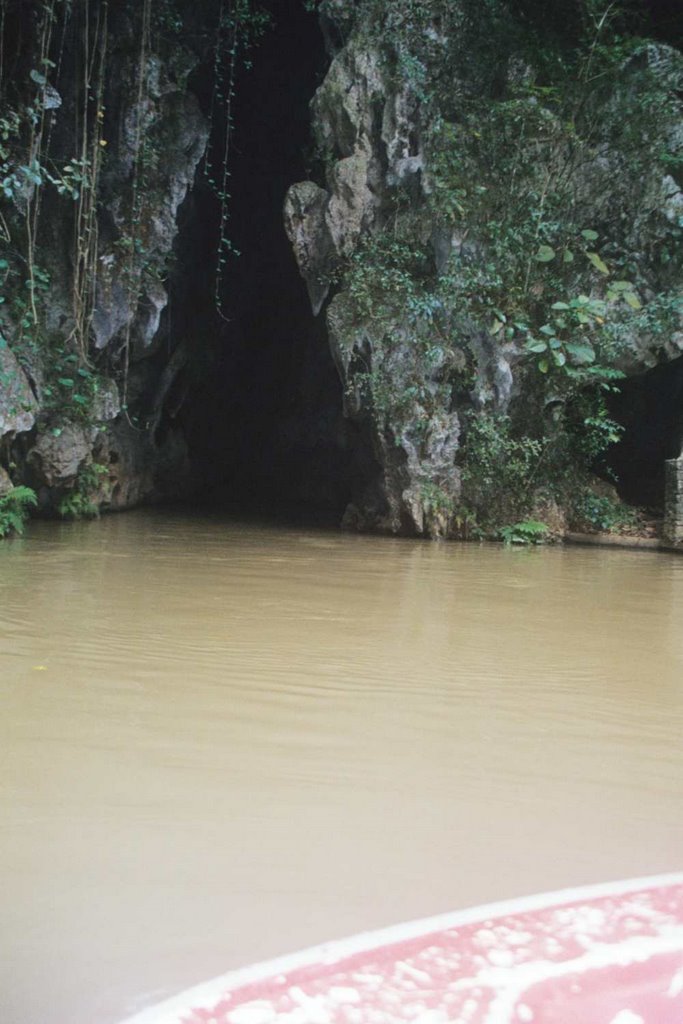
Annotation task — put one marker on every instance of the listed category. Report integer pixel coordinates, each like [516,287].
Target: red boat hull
[602,955]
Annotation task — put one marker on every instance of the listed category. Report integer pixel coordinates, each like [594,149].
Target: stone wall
[673,509]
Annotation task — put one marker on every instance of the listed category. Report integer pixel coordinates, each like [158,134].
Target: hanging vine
[239,26]
[86,169]
[30,170]
[34,171]
[53,81]
[133,242]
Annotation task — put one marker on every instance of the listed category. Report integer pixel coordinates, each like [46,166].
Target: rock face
[84,380]
[17,402]
[490,252]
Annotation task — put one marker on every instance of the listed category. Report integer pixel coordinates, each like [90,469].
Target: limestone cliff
[495,244]
[101,140]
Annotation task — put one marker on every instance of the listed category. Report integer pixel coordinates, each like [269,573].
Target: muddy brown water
[221,742]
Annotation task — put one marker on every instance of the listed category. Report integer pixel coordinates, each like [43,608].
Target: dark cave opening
[650,410]
[263,413]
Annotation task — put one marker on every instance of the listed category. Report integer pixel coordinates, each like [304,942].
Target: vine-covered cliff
[496,245]
[101,136]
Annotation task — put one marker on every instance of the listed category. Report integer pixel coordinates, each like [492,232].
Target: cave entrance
[650,409]
[264,414]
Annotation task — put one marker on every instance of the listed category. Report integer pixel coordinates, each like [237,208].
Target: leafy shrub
[604,514]
[436,500]
[499,470]
[80,502]
[14,510]
[529,531]
[386,271]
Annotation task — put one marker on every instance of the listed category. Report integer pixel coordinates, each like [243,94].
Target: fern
[77,506]
[81,502]
[14,510]
[530,531]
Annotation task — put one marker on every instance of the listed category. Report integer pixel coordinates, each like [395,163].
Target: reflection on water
[224,742]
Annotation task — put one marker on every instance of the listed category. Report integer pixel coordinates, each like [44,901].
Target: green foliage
[71,389]
[529,531]
[436,501]
[603,514]
[499,470]
[386,272]
[80,502]
[507,464]
[573,332]
[69,386]
[585,418]
[14,510]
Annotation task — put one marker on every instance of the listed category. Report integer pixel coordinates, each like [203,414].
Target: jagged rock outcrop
[485,245]
[18,403]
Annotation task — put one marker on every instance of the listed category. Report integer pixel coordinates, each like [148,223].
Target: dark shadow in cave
[650,408]
[264,409]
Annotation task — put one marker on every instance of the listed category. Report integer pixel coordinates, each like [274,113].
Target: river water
[221,742]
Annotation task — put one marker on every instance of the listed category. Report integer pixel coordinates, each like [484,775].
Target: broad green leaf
[37,77]
[555,344]
[559,305]
[536,346]
[597,262]
[543,365]
[568,256]
[545,254]
[580,352]
[621,286]
[589,235]
[547,330]
[496,327]
[560,358]
[632,300]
